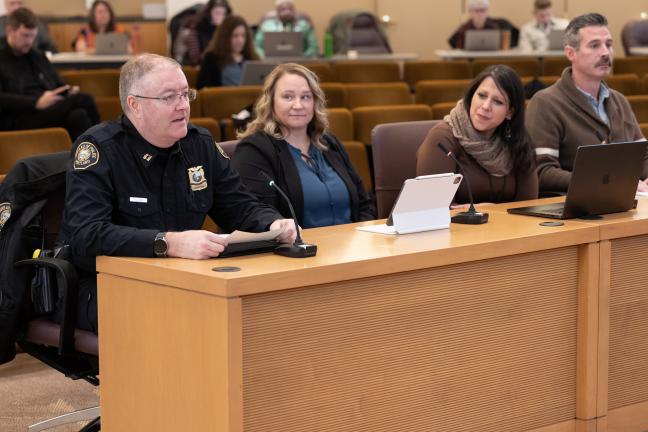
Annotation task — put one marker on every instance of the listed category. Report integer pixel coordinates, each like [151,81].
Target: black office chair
[35,192]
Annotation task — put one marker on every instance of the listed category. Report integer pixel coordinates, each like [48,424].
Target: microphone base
[470,218]
[303,250]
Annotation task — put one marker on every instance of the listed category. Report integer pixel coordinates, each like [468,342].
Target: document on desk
[246,237]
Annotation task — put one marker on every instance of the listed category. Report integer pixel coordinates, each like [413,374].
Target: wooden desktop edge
[267,272]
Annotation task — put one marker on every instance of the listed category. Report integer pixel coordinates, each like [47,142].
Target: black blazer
[261,152]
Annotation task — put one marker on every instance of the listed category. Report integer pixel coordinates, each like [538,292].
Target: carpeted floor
[30,392]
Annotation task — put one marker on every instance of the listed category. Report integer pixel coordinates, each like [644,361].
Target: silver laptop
[555,38]
[482,40]
[255,72]
[284,44]
[111,43]
[604,180]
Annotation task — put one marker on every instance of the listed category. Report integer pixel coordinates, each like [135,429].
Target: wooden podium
[498,327]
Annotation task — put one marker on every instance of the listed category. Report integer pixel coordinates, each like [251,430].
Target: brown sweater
[485,187]
[559,119]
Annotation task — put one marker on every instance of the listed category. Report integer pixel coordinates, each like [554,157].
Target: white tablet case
[422,205]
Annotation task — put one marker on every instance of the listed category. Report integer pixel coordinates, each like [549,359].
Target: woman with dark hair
[225,55]
[485,131]
[199,30]
[101,19]
[289,141]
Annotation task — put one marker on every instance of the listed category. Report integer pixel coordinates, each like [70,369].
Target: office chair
[394,158]
[36,190]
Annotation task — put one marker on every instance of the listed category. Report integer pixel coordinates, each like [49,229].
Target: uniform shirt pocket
[139,210]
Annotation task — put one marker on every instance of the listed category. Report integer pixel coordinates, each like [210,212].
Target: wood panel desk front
[488,328]
[623,318]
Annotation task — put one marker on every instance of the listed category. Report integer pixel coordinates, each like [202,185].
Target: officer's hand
[195,244]
[289,232]
[50,97]
[74,90]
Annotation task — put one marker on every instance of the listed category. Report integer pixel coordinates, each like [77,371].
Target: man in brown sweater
[579,109]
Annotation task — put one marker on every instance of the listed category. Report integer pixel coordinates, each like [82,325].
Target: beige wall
[424,25]
[421,26]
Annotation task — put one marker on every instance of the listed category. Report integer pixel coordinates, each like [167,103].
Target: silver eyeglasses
[175,98]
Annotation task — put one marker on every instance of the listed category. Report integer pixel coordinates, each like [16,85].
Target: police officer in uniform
[141,186]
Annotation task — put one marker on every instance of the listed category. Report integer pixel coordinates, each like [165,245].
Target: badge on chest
[197,179]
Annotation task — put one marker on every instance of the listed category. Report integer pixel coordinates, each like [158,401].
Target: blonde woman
[289,141]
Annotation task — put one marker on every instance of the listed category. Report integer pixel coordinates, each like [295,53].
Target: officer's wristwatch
[160,245]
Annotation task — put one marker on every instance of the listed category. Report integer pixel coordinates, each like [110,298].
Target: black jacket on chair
[260,152]
[23,195]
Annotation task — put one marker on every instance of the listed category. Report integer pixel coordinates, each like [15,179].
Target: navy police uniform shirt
[122,191]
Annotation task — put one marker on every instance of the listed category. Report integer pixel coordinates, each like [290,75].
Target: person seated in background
[289,141]
[228,50]
[43,41]
[479,20]
[485,131]
[534,34]
[142,185]
[101,20]
[580,109]
[32,95]
[199,30]
[287,20]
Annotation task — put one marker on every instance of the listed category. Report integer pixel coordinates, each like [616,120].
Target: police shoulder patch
[5,213]
[85,156]
[222,152]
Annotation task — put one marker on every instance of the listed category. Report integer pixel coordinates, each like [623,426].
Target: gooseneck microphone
[472,216]
[299,249]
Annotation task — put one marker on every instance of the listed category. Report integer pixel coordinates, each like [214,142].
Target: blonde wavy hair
[266,120]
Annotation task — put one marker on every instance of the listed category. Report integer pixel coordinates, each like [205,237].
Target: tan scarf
[491,153]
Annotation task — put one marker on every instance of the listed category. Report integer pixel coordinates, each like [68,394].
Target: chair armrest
[67,284]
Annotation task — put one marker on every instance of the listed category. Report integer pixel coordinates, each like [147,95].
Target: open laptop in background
[255,72]
[604,180]
[111,43]
[482,40]
[555,38]
[284,44]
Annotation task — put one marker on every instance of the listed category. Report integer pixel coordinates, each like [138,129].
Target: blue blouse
[326,198]
[231,74]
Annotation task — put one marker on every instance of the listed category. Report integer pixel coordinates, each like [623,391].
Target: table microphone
[299,249]
[472,216]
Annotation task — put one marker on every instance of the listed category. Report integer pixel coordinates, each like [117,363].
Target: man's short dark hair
[22,16]
[541,4]
[572,38]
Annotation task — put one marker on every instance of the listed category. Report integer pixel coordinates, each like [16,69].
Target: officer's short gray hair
[572,38]
[136,69]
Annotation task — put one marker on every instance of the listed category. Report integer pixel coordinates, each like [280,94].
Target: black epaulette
[102,132]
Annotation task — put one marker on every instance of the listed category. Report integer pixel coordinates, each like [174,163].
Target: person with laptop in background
[101,21]
[535,34]
[226,54]
[43,41]
[580,109]
[287,20]
[479,20]
[32,95]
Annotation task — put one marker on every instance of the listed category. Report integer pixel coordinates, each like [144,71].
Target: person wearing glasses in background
[142,185]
